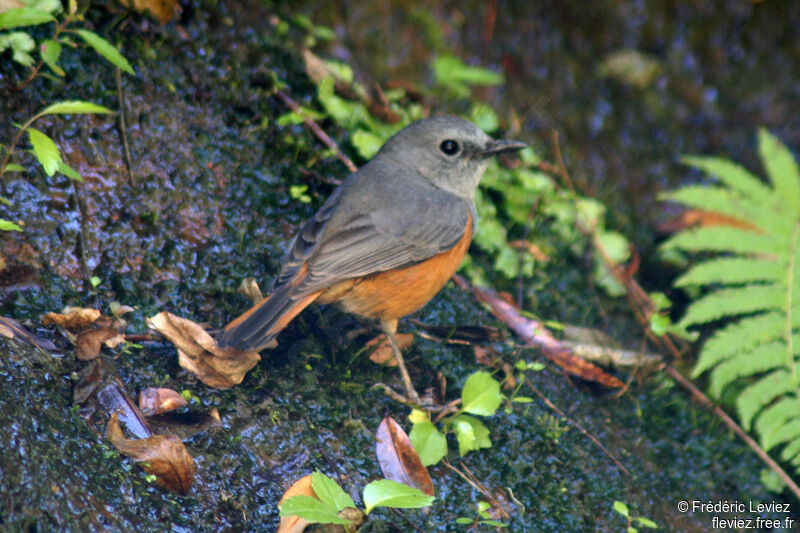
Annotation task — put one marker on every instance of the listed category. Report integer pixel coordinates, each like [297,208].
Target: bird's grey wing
[387,223]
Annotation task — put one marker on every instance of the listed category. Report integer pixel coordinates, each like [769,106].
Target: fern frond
[781,168]
[726,202]
[789,431]
[741,336]
[732,271]
[791,452]
[758,274]
[776,416]
[734,176]
[725,239]
[761,393]
[747,363]
[731,302]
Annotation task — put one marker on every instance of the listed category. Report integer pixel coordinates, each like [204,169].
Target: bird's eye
[449,147]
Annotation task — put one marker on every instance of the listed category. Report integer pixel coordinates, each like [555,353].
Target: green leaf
[731,271]
[621,508]
[74,107]
[645,522]
[471,434]
[13,167]
[387,493]
[20,43]
[107,50]
[312,510]
[366,143]
[464,521]
[7,225]
[24,16]
[481,394]
[69,172]
[45,151]
[329,492]
[449,69]
[51,52]
[493,523]
[430,444]
[734,176]
[483,116]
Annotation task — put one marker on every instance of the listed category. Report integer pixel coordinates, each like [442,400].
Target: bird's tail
[258,326]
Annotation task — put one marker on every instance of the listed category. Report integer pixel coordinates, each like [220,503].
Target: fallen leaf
[293,523]
[89,342]
[249,289]
[200,354]
[383,355]
[398,459]
[534,332]
[14,330]
[154,401]
[697,218]
[483,356]
[532,249]
[164,456]
[73,318]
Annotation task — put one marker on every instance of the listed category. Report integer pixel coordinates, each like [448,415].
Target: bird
[386,240]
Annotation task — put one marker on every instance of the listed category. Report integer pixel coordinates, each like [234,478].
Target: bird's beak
[500,146]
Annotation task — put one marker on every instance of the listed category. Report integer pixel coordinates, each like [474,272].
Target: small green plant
[481,396]
[21,44]
[334,506]
[483,518]
[749,281]
[622,508]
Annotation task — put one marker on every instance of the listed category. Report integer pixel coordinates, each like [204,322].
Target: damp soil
[208,203]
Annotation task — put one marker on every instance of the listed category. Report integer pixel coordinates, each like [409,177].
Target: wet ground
[210,204]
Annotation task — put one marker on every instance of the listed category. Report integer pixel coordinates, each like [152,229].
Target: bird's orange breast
[396,293]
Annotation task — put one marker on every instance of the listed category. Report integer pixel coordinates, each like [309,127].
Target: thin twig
[317,131]
[123,129]
[580,428]
[704,400]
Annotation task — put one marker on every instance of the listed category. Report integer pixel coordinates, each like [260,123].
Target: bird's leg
[390,328]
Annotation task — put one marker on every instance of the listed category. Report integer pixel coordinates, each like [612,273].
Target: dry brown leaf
[154,401]
[163,10]
[533,332]
[249,289]
[73,318]
[165,457]
[200,354]
[89,342]
[383,355]
[293,523]
[399,460]
[697,218]
[13,330]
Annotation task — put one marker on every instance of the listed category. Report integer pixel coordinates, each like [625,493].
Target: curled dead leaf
[89,342]
[399,460]
[165,457]
[383,355]
[200,354]
[73,318]
[154,401]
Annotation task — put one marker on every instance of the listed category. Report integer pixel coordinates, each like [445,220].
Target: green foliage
[622,508]
[388,493]
[752,290]
[480,396]
[331,500]
[484,517]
